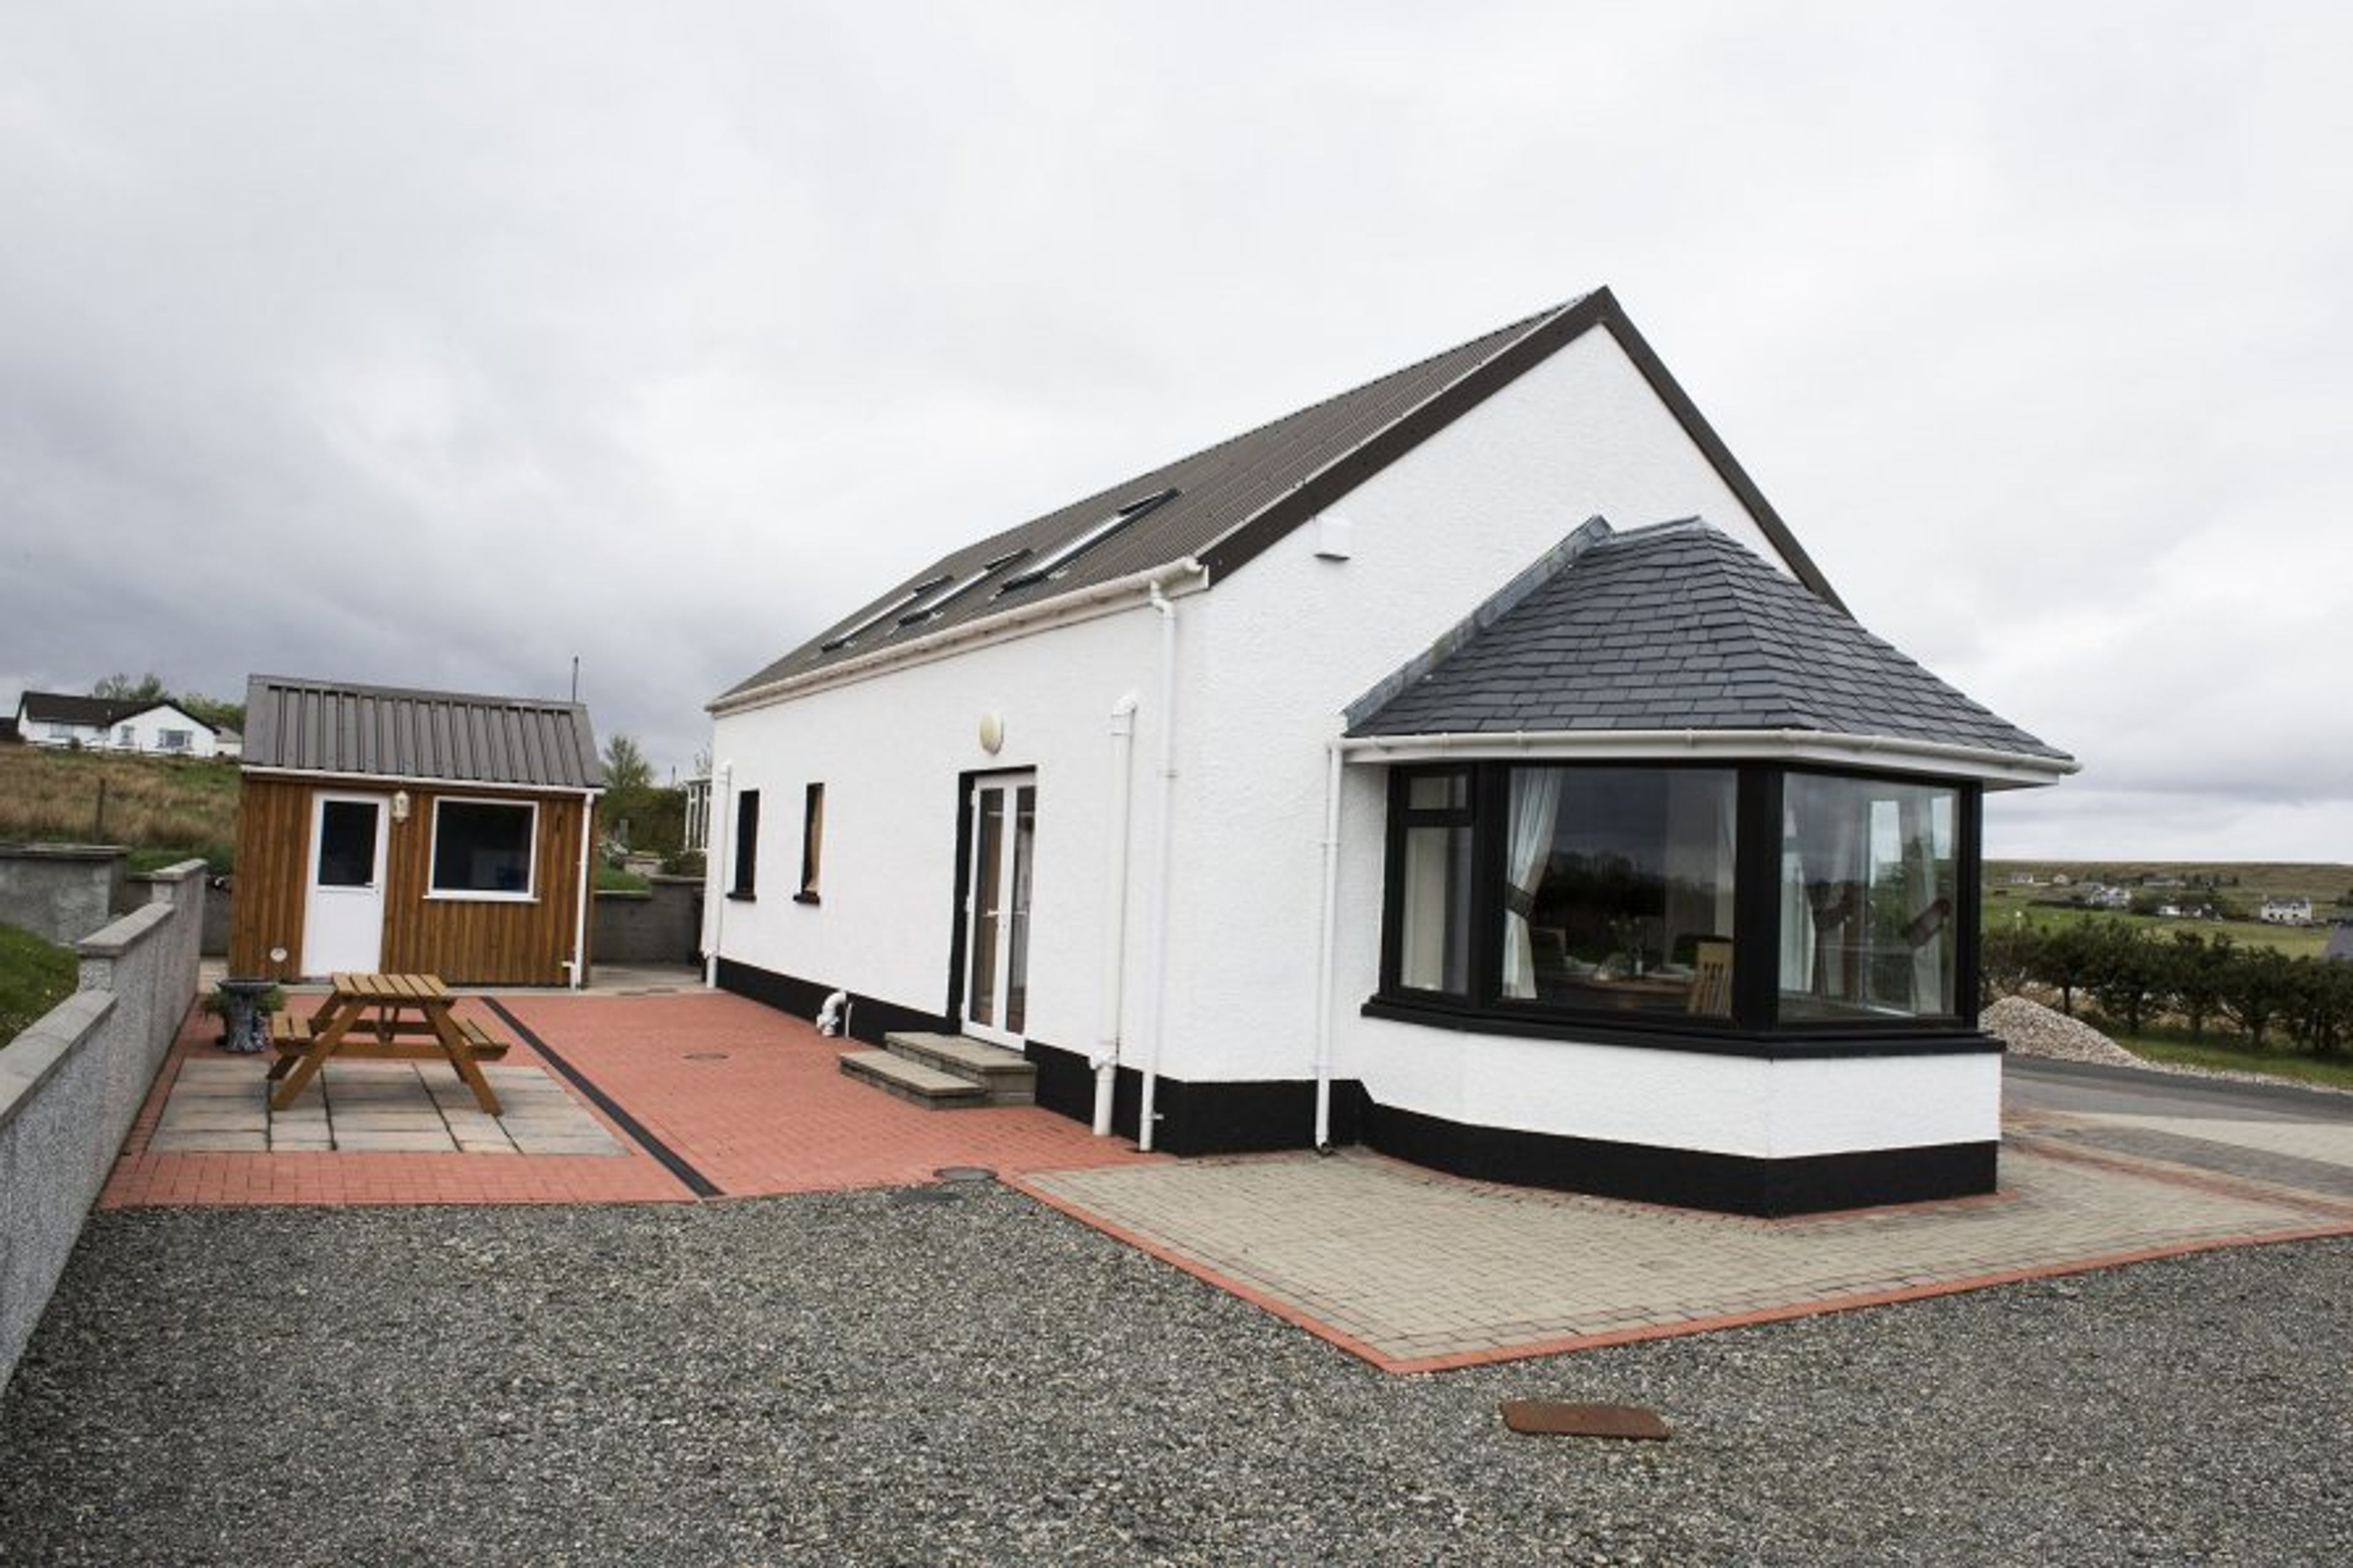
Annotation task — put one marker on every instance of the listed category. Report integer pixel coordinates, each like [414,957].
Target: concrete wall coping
[41,1049]
[178,871]
[115,939]
[66,851]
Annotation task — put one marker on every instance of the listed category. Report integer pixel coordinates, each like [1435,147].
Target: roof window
[1085,542]
[892,608]
[939,600]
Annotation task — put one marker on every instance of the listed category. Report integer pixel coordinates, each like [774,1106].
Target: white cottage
[1419,770]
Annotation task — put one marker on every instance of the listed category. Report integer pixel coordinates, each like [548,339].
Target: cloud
[436,346]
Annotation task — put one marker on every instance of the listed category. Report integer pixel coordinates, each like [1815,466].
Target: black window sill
[806,899]
[743,896]
[1935,1037]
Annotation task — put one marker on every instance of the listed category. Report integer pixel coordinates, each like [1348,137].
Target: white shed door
[342,919]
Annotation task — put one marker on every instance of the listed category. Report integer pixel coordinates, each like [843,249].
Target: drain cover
[1555,1418]
[965,1173]
[706,1055]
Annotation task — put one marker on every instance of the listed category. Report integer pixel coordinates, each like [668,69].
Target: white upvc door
[1002,819]
[342,918]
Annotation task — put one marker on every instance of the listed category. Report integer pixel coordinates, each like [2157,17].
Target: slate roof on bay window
[1676,627]
[377,731]
[1229,501]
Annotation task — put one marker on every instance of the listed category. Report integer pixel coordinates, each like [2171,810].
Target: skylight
[1067,553]
[833,644]
[926,608]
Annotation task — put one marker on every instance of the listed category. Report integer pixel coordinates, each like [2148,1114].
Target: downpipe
[1323,946]
[1105,1060]
[1147,1112]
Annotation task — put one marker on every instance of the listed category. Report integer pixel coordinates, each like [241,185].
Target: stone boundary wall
[661,926]
[72,1086]
[61,892]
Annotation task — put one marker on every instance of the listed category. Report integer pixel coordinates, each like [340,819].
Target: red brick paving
[776,1115]
[751,1098]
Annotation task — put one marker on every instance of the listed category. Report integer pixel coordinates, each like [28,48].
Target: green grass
[174,808]
[2179,1051]
[612,879]
[35,976]
[2003,907]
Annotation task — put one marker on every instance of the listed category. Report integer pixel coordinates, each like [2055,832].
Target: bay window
[1720,901]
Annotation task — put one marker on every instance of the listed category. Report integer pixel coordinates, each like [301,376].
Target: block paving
[1410,1269]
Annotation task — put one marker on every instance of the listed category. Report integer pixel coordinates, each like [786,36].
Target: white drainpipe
[1323,944]
[580,920]
[1114,957]
[718,836]
[1146,1113]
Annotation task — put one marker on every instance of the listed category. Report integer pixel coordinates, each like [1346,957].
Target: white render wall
[889,750]
[1266,663]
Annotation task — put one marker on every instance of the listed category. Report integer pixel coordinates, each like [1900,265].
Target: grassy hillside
[35,976]
[2243,884]
[165,808]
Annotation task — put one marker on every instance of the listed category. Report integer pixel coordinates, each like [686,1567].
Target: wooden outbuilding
[427,832]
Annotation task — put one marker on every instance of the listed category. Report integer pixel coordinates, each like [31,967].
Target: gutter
[2006,768]
[1078,605]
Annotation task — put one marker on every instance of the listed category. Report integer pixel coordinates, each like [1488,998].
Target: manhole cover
[706,1055]
[1556,1418]
[965,1173]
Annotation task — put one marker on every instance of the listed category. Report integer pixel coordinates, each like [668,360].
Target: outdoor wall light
[400,806]
[992,732]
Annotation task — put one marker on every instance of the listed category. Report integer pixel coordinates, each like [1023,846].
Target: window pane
[1617,889]
[346,843]
[747,841]
[1867,898]
[1438,792]
[1434,910]
[1017,966]
[988,873]
[481,846]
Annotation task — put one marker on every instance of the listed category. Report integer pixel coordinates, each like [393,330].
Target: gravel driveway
[960,1375]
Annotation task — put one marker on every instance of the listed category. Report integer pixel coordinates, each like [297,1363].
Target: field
[165,808]
[2243,885]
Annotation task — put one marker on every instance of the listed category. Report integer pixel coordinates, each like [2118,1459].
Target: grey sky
[436,344]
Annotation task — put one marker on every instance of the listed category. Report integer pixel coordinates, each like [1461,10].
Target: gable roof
[129,710]
[1675,627]
[67,708]
[1225,504]
[377,731]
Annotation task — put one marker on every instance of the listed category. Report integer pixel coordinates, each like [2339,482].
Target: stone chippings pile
[963,1375]
[2031,1029]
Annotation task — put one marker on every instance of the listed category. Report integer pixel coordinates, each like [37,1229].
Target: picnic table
[382,1017]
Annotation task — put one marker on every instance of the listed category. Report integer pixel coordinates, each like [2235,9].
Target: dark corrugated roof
[321,727]
[65,708]
[1233,499]
[1678,627]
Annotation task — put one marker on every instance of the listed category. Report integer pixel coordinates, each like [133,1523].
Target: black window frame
[1754,1025]
[745,849]
[812,843]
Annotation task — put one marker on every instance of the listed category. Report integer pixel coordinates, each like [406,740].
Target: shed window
[482,848]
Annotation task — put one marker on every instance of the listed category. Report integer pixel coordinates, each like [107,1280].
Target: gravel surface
[960,1375]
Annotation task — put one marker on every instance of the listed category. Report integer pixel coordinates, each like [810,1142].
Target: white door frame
[343,924]
[998,870]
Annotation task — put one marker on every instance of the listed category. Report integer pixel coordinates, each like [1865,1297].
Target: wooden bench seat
[292,1035]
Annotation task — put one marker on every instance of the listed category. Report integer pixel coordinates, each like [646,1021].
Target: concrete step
[1007,1077]
[913,1081]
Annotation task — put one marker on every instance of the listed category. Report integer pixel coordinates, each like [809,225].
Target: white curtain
[1536,807]
[1931,946]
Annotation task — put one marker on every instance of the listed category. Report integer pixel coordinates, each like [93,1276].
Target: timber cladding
[471,941]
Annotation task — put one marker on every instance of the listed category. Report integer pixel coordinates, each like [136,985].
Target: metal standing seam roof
[321,727]
[1676,626]
[1233,499]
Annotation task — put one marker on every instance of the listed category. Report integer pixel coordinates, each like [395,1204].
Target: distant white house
[103,723]
[2286,912]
